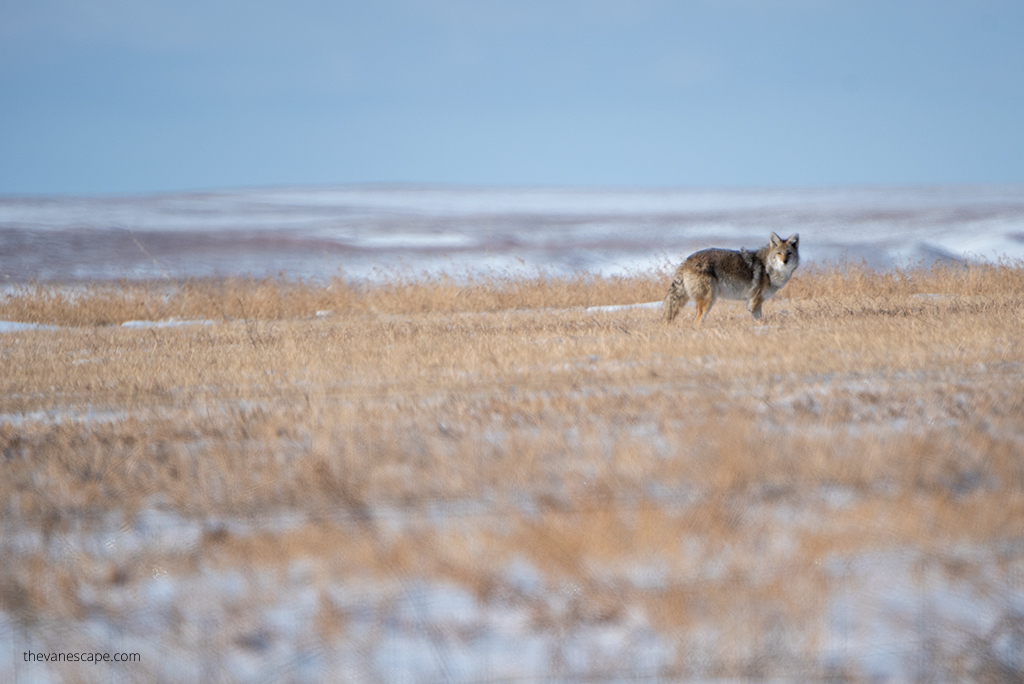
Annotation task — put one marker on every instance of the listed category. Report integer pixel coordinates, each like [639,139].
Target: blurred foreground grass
[485,480]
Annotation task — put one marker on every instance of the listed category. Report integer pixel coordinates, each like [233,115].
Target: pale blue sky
[114,96]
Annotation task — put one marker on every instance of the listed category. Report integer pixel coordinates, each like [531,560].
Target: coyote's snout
[712,273]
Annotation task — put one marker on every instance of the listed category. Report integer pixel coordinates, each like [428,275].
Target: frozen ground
[368,231]
[886,611]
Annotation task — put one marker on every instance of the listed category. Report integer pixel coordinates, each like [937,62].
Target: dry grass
[704,483]
[279,299]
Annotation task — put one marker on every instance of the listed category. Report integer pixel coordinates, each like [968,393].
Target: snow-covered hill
[375,231]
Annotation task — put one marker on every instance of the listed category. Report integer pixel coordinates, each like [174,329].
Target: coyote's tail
[675,300]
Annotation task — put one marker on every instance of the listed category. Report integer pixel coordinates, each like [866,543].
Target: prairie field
[509,478]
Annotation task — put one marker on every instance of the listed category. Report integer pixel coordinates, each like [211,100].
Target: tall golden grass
[445,427]
[281,299]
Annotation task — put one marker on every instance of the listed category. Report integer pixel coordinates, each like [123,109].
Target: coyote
[753,276]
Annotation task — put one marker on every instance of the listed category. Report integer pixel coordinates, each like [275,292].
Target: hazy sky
[111,96]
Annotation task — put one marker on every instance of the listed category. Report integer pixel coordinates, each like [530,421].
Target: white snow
[418,630]
[622,307]
[14,326]
[375,231]
[169,323]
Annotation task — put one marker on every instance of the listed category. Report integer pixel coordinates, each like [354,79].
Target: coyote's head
[783,255]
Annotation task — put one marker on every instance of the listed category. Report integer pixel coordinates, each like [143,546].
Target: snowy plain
[380,232]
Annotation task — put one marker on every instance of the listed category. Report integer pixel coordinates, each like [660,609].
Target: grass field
[500,478]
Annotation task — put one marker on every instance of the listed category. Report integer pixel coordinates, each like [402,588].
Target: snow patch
[15,326]
[622,307]
[169,323]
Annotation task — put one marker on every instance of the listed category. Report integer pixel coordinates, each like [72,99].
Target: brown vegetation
[446,429]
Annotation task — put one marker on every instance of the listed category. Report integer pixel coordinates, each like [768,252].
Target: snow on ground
[885,611]
[15,326]
[169,323]
[371,232]
[376,231]
[622,307]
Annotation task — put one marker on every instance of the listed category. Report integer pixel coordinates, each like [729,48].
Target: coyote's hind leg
[703,307]
[703,289]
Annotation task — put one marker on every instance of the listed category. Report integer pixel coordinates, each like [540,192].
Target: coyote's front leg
[754,306]
[757,295]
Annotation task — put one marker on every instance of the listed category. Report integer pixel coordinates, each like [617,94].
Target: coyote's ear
[794,239]
[775,240]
